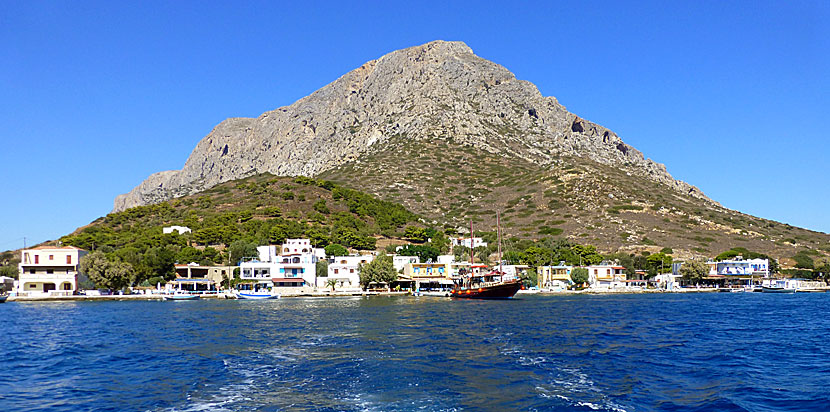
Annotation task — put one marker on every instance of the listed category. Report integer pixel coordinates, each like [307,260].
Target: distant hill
[450,136]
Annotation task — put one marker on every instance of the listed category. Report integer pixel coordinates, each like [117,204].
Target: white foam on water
[570,381]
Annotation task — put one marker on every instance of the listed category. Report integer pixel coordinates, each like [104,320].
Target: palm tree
[331,283]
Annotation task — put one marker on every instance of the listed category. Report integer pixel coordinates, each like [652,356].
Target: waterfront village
[292,269]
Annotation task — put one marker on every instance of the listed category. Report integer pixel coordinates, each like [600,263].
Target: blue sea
[655,352]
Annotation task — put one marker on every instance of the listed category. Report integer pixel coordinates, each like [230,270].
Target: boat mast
[498,234]
[471,246]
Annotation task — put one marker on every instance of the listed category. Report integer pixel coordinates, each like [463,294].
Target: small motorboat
[3,298]
[437,293]
[777,289]
[256,295]
[181,296]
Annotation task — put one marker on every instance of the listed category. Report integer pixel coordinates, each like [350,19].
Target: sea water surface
[752,351]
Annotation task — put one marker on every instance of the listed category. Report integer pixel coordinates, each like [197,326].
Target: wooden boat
[3,298]
[181,296]
[485,286]
[256,295]
[777,289]
[478,287]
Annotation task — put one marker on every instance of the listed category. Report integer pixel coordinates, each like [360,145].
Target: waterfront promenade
[325,294]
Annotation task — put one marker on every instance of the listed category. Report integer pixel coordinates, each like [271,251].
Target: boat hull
[256,296]
[3,298]
[500,291]
[767,289]
[181,297]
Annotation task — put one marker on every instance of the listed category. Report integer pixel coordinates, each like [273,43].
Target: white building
[606,276]
[512,271]
[399,261]
[180,229]
[345,271]
[739,266]
[466,241]
[292,265]
[445,259]
[49,271]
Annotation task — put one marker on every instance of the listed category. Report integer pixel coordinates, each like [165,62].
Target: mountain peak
[435,91]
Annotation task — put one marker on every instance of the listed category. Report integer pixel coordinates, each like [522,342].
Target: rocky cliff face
[437,91]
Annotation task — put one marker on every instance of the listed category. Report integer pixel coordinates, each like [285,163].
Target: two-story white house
[292,265]
[345,270]
[468,242]
[49,271]
[606,276]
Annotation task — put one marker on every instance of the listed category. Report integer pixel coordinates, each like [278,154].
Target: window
[37,259]
[68,259]
[50,271]
[595,271]
[51,257]
[32,271]
[351,270]
[336,271]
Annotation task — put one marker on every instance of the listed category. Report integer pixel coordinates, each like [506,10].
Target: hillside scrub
[230,220]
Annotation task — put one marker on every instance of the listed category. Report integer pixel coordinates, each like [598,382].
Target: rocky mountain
[437,91]
[452,137]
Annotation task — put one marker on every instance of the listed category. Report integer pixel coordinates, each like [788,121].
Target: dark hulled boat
[478,287]
[485,286]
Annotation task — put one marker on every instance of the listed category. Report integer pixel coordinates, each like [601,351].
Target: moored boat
[3,298]
[777,289]
[256,295]
[478,287]
[181,296]
[491,285]
[438,293]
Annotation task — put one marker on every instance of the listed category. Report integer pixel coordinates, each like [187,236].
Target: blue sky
[96,96]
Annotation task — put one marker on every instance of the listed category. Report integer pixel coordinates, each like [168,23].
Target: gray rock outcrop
[439,90]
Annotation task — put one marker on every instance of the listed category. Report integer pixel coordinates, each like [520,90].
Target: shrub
[336,249]
[321,207]
[553,231]
[579,275]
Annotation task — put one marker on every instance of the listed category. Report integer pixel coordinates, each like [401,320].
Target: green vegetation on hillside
[230,220]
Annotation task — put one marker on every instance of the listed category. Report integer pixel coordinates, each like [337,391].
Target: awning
[440,281]
[300,280]
[192,280]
